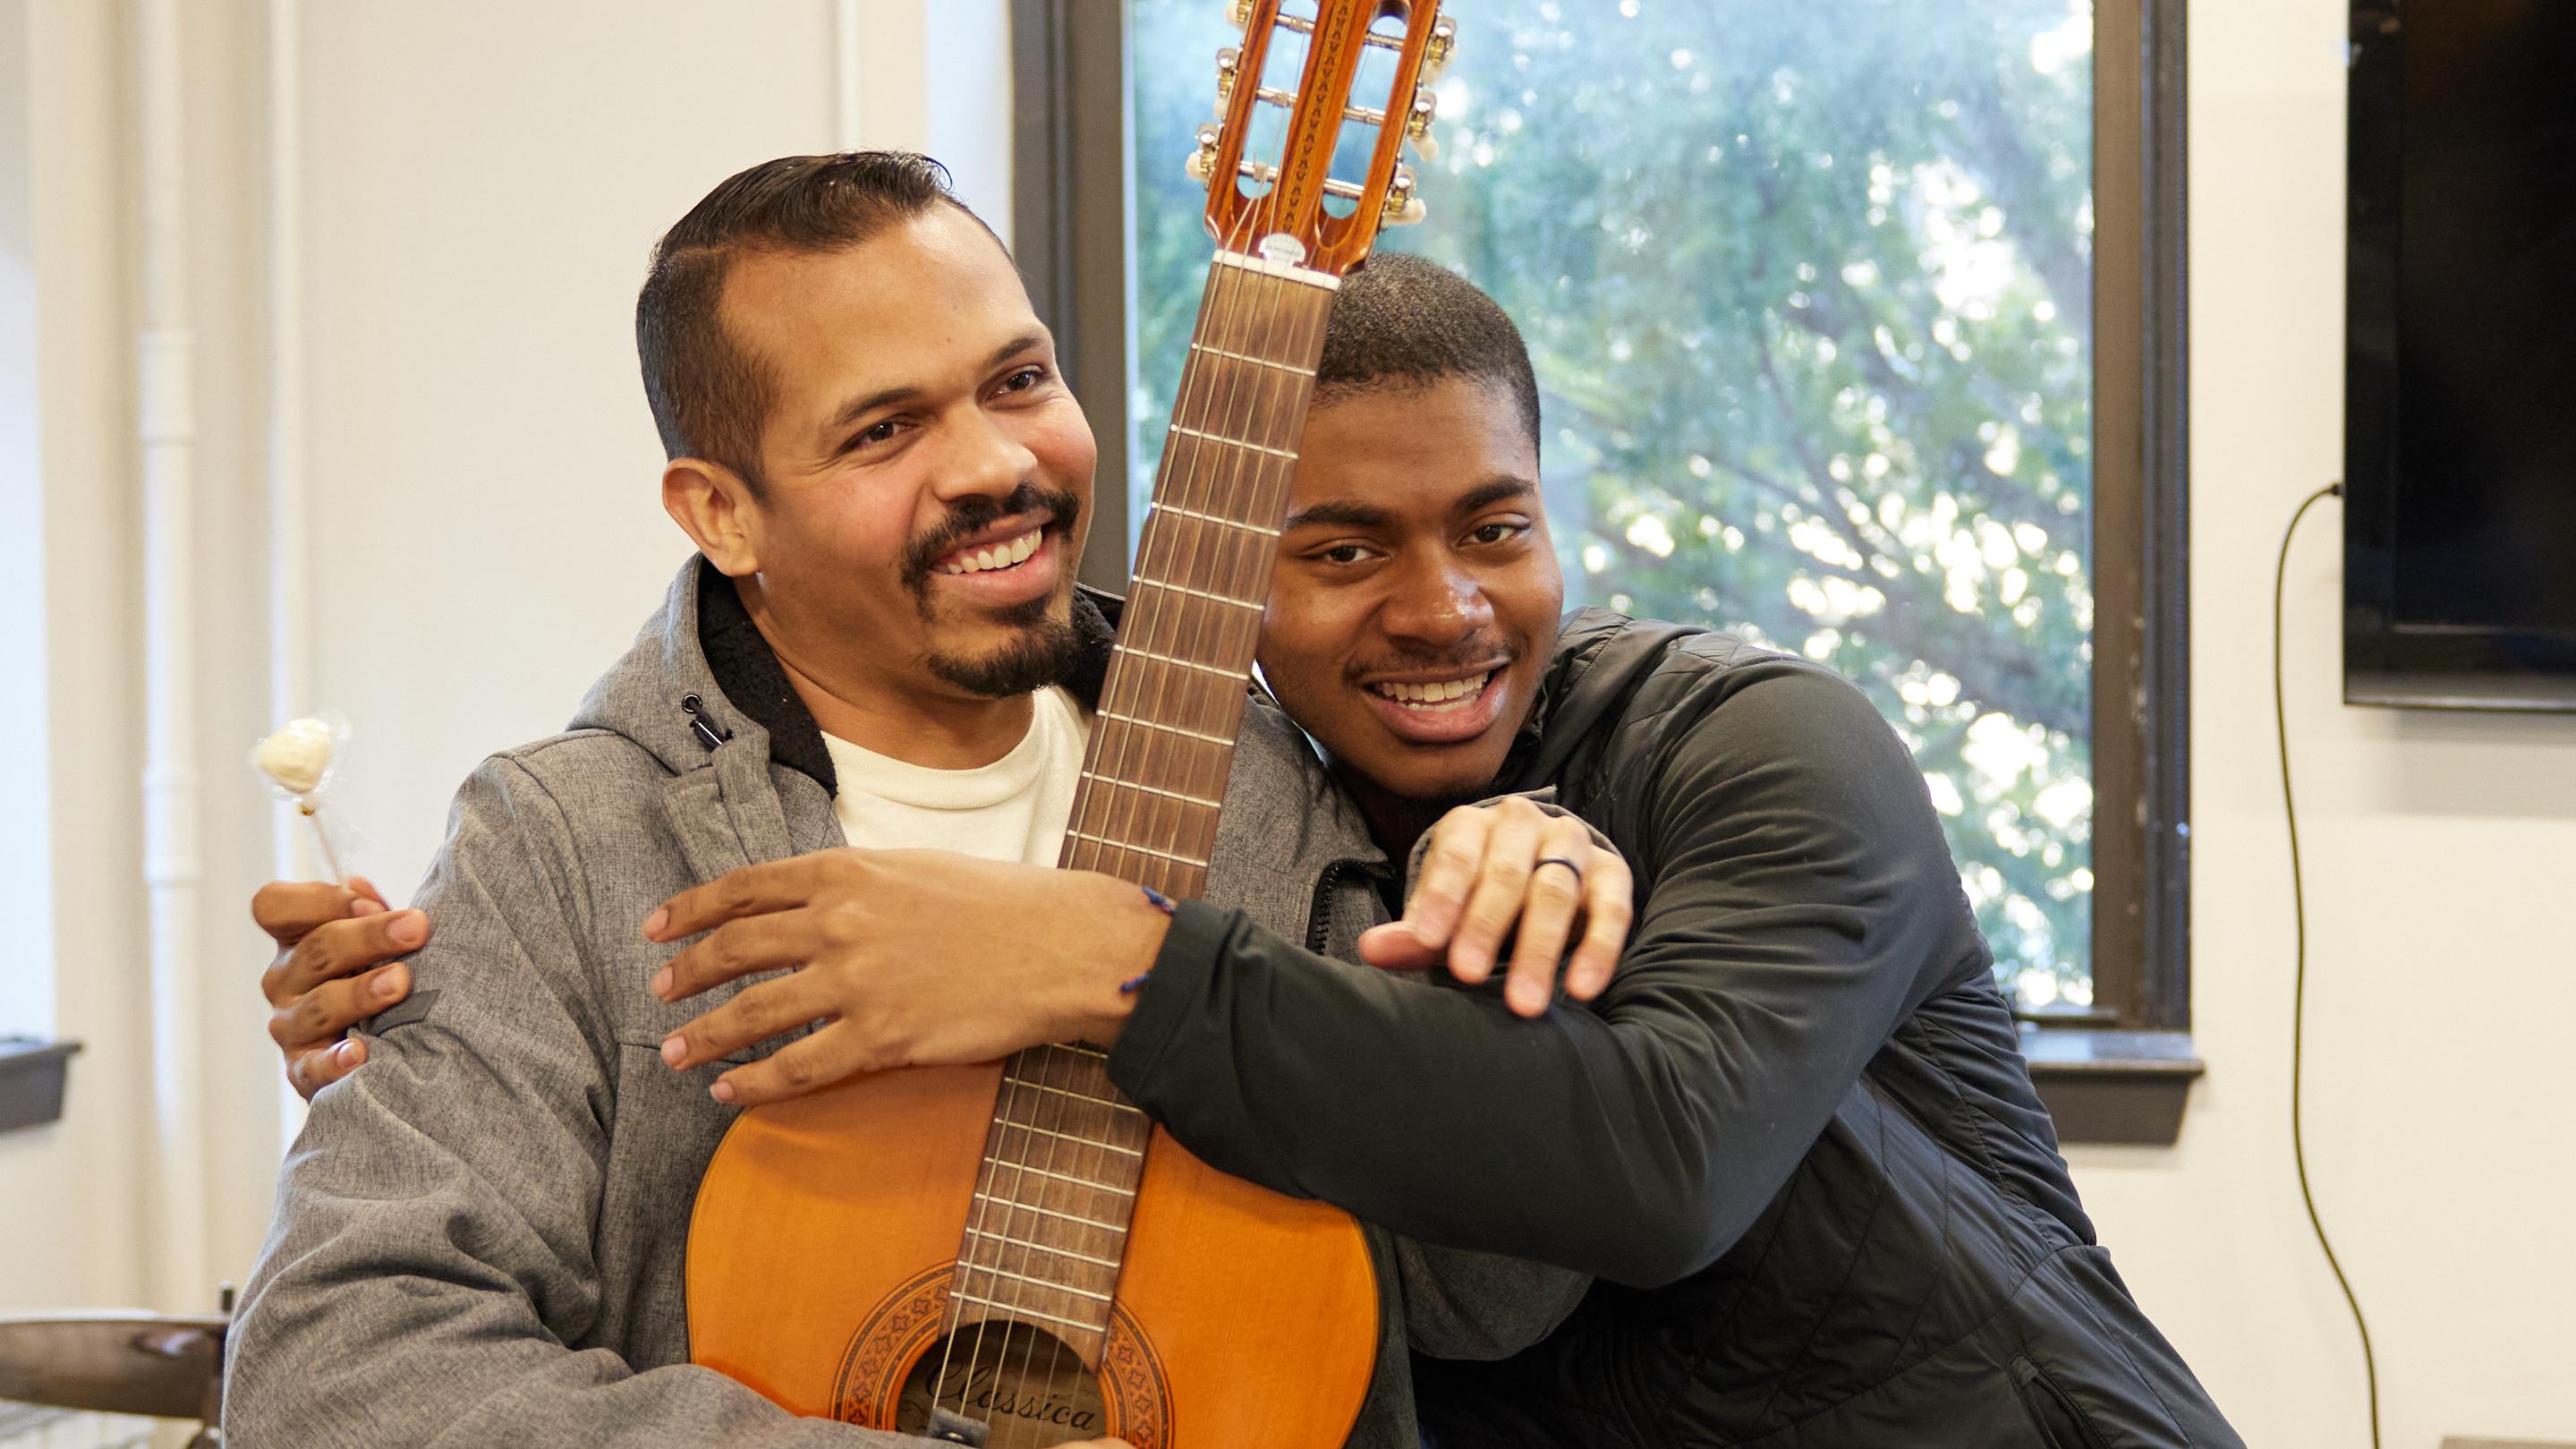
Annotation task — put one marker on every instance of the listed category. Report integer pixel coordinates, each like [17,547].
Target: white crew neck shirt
[1015,808]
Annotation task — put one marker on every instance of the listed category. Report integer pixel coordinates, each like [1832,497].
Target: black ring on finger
[1559,860]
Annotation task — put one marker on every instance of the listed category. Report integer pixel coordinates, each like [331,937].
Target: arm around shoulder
[1793,883]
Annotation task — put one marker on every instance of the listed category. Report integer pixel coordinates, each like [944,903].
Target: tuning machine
[1229,65]
[1240,12]
[1202,162]
[1436,51]
[1402,208]
[1417,124]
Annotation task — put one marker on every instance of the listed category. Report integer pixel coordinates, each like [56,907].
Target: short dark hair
[1402,321]
[711,395]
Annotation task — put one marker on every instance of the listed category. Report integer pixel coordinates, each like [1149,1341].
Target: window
[1848,342]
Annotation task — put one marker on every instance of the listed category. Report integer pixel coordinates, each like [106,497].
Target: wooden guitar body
[825,1245]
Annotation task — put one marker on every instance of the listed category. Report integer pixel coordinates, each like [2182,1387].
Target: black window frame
[2116,1071]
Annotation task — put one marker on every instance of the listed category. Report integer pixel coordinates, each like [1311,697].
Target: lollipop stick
[322,834]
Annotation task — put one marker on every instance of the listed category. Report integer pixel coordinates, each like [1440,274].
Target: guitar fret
[1215,518]
[1256,607]
[973,1267]
[1138,849]
[1012,1204]
[1066,1136]
[1111,1188]
[1216,669]
[1078,1096]
[1037,1247]
[1075,1047]
[1256,361]
[1016,1311]
[1169,729]
[1184,798]
[1206,436]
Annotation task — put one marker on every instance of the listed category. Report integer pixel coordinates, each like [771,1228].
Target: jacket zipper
[1319,919]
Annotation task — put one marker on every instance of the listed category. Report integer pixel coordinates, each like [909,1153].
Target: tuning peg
[1402,208]
[1417,125]
[1240,12]
[1229,62]
[1202,162]
[1437,51]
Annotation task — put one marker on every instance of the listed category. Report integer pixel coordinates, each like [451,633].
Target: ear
[716,509]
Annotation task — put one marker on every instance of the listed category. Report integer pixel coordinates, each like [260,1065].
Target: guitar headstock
[1262,182]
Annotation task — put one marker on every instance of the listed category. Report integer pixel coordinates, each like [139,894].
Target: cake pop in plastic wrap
[300,760]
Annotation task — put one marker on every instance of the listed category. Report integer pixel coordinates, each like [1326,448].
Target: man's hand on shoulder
[1508,861]
[334,943]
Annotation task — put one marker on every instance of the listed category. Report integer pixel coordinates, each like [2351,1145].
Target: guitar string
[991,1174]
[1047,1185]
[1229,549]
[1186,478]
[1163,679]
[1218,300]
[1244,484]
[1148,694]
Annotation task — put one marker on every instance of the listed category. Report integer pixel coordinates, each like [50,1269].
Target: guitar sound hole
[1028,1386]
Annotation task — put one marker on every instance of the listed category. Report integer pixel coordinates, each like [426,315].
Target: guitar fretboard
[1047,1229]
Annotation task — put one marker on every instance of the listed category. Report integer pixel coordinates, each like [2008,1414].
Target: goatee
[1042,651]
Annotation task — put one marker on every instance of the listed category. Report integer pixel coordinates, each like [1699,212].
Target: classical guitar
[1012,1254]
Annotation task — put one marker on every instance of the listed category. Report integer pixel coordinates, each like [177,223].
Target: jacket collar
[1600,660]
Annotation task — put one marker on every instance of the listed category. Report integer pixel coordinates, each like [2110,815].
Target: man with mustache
[1795,1138]
[479,1237]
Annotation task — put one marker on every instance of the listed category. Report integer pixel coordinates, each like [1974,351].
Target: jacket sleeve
[430,1265]
[1794,884]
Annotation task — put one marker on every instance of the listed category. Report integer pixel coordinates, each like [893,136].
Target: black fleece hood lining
[752,680]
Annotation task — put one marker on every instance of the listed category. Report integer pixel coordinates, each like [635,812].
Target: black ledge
[31,1080]
[2112,1086]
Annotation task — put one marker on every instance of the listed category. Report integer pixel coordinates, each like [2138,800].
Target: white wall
[479,184]
[26,875]
[487,532]
[70,1205]
[2440,855]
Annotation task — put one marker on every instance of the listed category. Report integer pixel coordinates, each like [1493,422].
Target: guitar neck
[1163,741]
[1161,746]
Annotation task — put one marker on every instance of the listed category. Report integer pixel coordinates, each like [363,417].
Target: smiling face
[1417,595]
[925,472]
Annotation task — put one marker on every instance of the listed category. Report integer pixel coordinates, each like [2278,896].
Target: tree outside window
[1809,292]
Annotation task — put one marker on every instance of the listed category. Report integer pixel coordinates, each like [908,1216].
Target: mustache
[970,516]
[1467,654]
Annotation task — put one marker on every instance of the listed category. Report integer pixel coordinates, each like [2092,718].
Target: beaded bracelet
[1160,902]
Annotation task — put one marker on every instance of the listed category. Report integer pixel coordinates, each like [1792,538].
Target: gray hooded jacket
[479,1236]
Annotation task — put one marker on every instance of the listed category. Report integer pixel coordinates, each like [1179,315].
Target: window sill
[2112,1086]
[31,1081]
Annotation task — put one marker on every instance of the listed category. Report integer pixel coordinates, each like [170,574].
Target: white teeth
[1448,695]
[996,556]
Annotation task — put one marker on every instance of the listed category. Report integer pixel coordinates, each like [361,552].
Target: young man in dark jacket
[1793,1136]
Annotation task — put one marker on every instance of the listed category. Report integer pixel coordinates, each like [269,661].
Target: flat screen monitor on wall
[2460,363]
